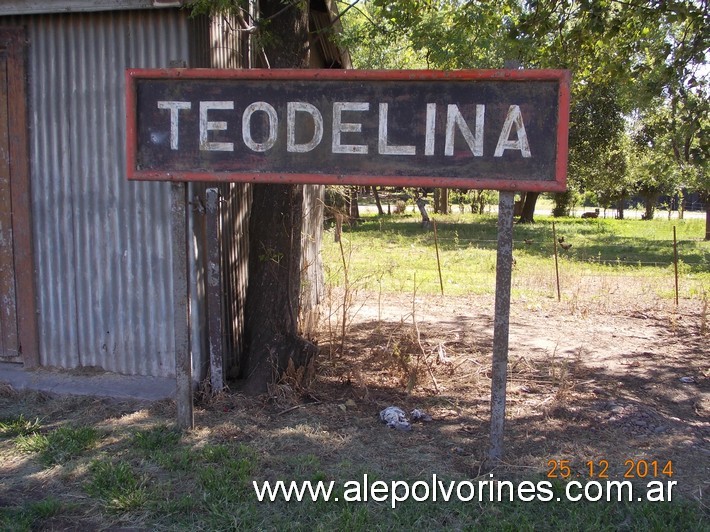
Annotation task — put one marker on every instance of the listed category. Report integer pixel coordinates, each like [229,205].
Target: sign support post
[501,323]
[181,314]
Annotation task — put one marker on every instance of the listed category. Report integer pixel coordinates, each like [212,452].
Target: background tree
[272,301]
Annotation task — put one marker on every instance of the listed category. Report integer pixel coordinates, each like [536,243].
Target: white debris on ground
[396,418]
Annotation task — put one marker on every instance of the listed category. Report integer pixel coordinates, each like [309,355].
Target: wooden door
[18,329]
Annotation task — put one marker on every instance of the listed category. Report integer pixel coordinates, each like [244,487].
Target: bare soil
[626,382]
[585,384]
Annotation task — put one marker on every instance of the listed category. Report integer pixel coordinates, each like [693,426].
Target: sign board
[485,129]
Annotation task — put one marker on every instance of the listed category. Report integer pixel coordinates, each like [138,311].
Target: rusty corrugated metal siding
[102,244]
[230,50]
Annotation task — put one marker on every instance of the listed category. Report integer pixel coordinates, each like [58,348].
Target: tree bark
[528,215]
[271,308]
[441,200]
[353,206]
[376,195]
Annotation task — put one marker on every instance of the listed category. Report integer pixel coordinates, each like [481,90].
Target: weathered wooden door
[9,344]
[18,337]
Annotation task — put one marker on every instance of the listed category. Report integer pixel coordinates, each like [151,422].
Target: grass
[58,446]
[117,485]
[31,515]
[385,253]
[133,482]
[18,426]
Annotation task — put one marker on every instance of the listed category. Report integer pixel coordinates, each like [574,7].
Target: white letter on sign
[514,117]
[206,126]
[174,110]
[384,148]
[304,107]
[430,129]
[246,126]
[347,127]
[453,119]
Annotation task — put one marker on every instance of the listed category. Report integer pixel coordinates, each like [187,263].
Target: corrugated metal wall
[102,244]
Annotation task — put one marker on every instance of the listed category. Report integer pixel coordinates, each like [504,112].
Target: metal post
[181,317]
[675,264]
[501,324]
[214,292]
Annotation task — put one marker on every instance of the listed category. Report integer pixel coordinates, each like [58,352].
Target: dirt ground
[585,384]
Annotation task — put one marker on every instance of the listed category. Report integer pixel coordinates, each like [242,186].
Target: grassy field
[386,253]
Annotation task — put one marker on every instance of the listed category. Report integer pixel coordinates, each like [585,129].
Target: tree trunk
[271,308]
[649,203]
[421,205]
[563,204]
[353,207]
[707,216]
[620,209]
[376,195]
[527,217]
[441,200]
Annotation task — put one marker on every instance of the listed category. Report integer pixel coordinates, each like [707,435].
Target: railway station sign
[484,129]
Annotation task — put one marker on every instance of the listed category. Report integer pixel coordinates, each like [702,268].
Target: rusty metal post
[501,324]
[214,292]
[181,308]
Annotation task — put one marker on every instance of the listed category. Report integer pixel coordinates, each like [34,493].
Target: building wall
[102,244]
[103,251]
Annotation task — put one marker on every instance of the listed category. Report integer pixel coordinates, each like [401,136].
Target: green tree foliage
[629,59]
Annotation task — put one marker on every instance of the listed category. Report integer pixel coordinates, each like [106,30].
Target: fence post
[557,267]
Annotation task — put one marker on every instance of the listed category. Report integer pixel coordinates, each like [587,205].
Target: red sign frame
[552,183]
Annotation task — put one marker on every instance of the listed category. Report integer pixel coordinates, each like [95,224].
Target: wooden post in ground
[557,266]
[213,292]
[181,318]
[501,324]
[675,264]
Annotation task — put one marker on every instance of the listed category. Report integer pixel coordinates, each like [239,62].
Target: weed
[59,446]
[29,516]
[66,443]
[159,438]
[117,485]
[32,443]
[18,426]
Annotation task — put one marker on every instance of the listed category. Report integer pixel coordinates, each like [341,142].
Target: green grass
[213,491]
[31,515]
[117,485]
[387,253]
[60,445]
[18,426]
